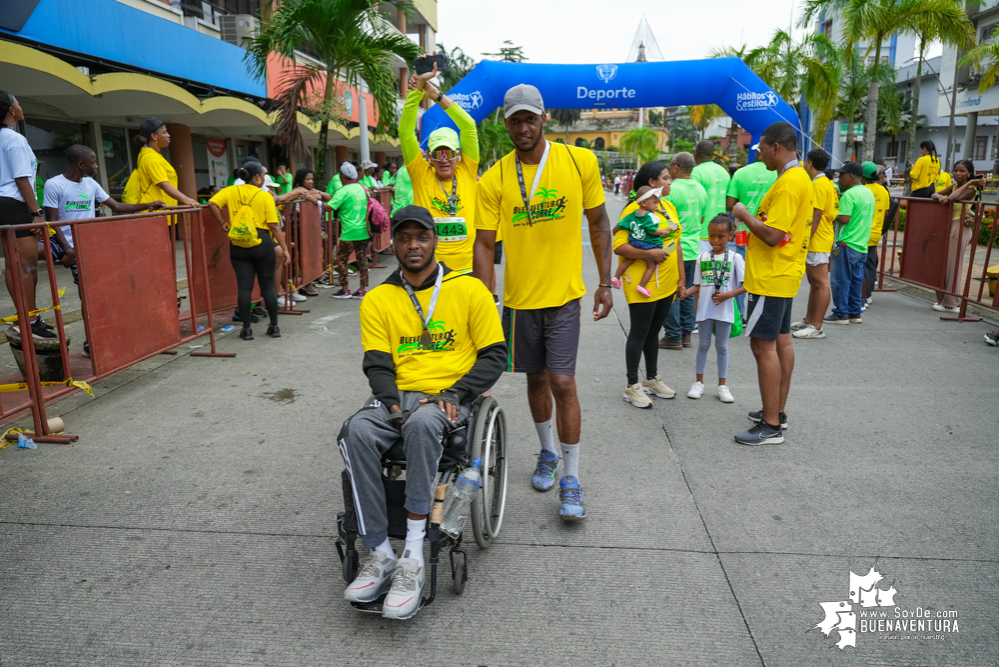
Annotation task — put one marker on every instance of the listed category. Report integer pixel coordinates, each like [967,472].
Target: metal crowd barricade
[128,285]
[381,242]
[926,248]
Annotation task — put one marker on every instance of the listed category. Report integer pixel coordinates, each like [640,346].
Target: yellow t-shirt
[825,199]
[943,181]
[544,257]
[153,169]
[881,203]
[260,201]
[776,271]
[464,322]
[664,282]
[429,193]
[924,172]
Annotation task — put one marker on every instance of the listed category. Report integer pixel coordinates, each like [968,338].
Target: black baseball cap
[150,125]
[853,168]
[413,213]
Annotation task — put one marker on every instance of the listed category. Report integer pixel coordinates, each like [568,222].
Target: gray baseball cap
[523,97]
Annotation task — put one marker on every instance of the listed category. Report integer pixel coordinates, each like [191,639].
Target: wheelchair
[483,436]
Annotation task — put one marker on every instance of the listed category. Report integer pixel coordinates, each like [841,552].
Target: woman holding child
[648,300]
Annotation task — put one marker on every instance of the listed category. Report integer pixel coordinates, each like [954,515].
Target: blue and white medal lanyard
[426,340]
[537,179]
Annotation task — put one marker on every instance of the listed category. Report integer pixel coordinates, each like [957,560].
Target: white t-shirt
[17,160]
[74,201]
[731,278]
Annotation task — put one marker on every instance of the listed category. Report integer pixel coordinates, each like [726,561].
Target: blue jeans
[741,299]
[846,280]
[681,314]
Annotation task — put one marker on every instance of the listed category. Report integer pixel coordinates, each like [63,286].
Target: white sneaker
[696,391]
[870,300]
[658,387]
[297,298]
[635,395]
[406,593]
[809,332]
[944,309]
[373,580]
[723,394]
[799,325]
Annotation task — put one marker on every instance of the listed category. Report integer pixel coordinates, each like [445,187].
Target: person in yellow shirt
[432,344]
[925,171]
[775,261]
[445,180]
[259,260]
[874,177]
[826,206]
[537,196]
[157,179]
[943,181]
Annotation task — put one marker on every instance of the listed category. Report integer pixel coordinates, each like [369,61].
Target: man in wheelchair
[432,344]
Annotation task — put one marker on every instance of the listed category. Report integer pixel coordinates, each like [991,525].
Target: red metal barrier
[927,245]
[128,291]
[218,267]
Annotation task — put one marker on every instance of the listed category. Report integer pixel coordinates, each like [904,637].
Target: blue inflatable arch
[727,82]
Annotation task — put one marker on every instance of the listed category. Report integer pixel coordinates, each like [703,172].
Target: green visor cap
[444,137]
[870,169]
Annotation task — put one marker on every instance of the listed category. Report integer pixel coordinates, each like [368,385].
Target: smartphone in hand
[426,64]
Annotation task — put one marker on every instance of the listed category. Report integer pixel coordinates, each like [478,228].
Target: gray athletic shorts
[542,339]
[816,258]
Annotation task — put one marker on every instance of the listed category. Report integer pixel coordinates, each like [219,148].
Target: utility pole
[362,115]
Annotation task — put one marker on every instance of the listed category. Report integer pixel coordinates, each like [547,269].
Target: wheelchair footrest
[375,606]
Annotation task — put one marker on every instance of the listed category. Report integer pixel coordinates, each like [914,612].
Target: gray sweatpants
[366,437]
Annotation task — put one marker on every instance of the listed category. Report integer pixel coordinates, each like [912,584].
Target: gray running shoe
[761,433]
[373,580]
[757,416]
[406,593]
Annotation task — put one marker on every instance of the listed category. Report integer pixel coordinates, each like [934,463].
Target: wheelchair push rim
[489,444]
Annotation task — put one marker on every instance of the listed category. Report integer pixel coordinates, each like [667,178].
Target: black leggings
[646,321]
[926,193]
[258,262]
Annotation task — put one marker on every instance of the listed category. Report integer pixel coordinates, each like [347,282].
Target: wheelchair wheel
[489,444]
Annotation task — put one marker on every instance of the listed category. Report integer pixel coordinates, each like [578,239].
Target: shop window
[117,165]
[981,148]
[598,143]
[49,140]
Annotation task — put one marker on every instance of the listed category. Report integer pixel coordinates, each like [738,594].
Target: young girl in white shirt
[718,276]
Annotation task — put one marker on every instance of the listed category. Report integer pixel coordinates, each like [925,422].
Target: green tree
[988,53]
[701,116]
[683,130]
[639,142]
[352,40]
[656,118]
[494,140]
[458,67]
[509,53]
[873,22]
[566,118]
[733,130]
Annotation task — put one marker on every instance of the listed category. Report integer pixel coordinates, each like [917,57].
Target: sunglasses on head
[443,155]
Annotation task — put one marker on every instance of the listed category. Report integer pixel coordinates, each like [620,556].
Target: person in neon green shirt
[403,189]
[714,179]
[284,179]
[351,206]
[368,180]
[853,229]
[445,181]
[335,183]
[749,185]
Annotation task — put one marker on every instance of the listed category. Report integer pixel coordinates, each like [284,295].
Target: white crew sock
[570,457]
[544,430]
[386,548]
[416,530]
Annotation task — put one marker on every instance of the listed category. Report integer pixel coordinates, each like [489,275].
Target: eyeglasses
[443,155]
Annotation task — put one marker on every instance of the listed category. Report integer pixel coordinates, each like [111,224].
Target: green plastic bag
[736,325]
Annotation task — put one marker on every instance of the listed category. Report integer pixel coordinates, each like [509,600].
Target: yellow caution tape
[13,318]
[4,442]
[23,386]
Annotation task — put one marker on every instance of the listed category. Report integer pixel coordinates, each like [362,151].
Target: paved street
[194,521]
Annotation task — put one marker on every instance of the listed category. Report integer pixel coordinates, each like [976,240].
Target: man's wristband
[603,285]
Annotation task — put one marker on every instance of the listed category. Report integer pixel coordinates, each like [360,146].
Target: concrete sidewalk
[194,521]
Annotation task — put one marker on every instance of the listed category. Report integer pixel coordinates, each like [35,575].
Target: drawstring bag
[243,226]
[377,217]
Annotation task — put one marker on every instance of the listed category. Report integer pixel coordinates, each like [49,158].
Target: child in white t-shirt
[718,276]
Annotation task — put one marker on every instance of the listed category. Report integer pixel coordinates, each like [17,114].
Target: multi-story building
[601,129]
[89,72]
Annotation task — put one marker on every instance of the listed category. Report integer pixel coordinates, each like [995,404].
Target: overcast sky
[601,31]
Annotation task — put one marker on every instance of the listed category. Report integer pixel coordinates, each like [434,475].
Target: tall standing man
[826,203]
[690,200]
[853,230]
[536,197]
[775,260]
[714,179]
[444,181]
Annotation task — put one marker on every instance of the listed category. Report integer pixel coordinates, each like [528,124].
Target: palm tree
[873,22]
[683,130]
[957,31]
[566,118]
[639,141]
[352,40]
[458,67]
[809,68]
[986,52]
[733,130]
[701,116]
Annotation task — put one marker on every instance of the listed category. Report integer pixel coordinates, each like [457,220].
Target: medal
[426,340]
